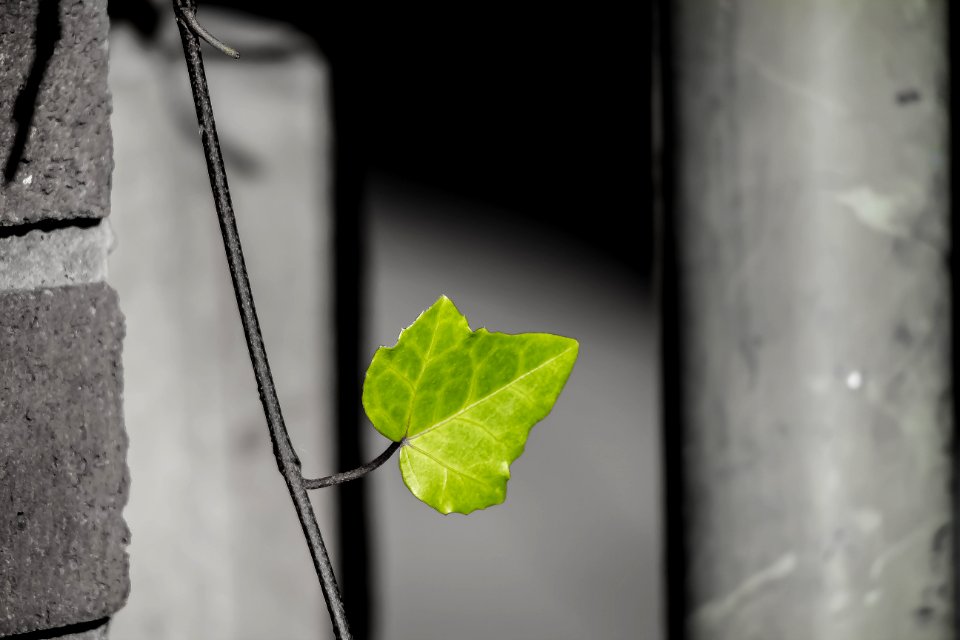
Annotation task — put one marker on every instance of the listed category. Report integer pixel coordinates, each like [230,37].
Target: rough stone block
[42,259]
[95,630]
[55,144]
[100,633]
[63,473]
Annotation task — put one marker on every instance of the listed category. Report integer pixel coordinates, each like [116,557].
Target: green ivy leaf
[462,403]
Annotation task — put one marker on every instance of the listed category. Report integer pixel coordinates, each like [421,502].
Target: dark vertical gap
[349,232]
[952,16]
[45,38]
[675,563]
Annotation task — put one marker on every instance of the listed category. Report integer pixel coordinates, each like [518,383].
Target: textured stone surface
[63,475]
[64,170]
[100,633]
[40,259]
[94,630]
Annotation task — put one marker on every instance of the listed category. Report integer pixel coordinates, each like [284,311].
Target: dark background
[543,113]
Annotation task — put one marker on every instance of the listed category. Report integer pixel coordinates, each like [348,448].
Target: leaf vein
[433,340]
[523,394]
[416,385]
[446,466]
[400,374]
[480,426]
[473,404]
[413,473]
[476,371]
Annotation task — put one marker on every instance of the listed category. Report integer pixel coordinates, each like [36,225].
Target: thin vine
[289,464]
[459,413]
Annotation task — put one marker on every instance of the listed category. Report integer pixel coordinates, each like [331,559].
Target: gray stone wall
[63,473]
[55,133]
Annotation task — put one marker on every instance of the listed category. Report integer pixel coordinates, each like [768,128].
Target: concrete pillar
[63,474]
[811,210]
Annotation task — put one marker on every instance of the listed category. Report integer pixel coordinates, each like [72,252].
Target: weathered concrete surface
[44,259]
[207,504]
[53,88]
[63,476]
[813,204]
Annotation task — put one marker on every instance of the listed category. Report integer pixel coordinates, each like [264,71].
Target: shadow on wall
[45,40]
[544,114]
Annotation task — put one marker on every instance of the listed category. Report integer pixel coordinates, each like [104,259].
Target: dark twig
[359,472]
[188,16]
[283,450]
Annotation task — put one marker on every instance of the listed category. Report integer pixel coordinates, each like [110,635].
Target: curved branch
[287,460]
[353,474]
[190,18]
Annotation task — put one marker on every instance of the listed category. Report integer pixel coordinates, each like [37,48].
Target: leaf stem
[353,474]
[287,460]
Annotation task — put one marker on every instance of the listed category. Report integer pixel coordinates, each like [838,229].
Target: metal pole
[810,198]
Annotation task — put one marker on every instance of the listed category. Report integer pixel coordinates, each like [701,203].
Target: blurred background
[742,211]
[500,156]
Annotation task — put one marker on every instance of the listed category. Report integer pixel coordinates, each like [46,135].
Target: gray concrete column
[811,195]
